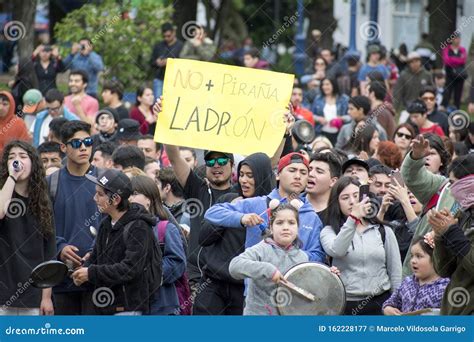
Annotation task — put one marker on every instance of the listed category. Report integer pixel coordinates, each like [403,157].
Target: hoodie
[12,127]
[230,215]
[221,244]
[119,264]
[260,263]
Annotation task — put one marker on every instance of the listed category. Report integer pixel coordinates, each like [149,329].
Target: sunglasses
[76,143]
[401,135]
[221,161]
[428,98]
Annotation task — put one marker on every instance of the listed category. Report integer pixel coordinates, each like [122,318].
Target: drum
[317,279]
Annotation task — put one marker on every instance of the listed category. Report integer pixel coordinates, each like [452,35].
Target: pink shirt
[89,104]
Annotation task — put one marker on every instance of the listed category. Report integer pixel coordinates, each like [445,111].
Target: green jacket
[458,297]
[424,184]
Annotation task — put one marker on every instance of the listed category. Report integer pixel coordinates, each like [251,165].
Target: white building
[399,21]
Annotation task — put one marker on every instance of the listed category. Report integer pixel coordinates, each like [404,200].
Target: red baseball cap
[292,158]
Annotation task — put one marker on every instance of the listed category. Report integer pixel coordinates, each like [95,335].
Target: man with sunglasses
[74,213]
[428,95]
[54,109]
[200,194]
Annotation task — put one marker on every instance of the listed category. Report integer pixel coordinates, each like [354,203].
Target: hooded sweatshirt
[260,263]
[119,264]
[230,215]
[12,127]
[221,244]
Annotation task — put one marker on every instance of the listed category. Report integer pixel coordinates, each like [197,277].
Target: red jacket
[12,127]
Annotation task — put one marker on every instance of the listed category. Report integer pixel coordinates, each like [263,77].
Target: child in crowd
[266,262]
[423,289]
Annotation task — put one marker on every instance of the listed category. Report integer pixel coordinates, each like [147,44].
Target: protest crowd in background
[83,182]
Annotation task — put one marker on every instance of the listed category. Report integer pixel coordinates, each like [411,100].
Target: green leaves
[123,35]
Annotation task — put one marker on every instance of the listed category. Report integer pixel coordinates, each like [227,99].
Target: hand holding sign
[214,106]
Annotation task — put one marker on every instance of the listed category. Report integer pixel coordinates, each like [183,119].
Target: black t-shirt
[22,248]
[199,198]
[322,216]
[122,112]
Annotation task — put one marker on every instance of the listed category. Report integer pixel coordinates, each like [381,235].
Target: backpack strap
[53,185]
[434,199]
[161,230]
[382,233]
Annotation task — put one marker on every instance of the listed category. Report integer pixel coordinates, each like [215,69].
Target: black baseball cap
[356,161]
[114,181]
[107,111]
[207,154]
[128,129]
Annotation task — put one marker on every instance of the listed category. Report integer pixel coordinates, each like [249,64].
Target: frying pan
[49,274]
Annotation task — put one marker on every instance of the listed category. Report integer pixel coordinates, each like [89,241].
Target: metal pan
[317,279]
[49,274]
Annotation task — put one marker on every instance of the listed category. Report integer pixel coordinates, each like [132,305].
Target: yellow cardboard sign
[223,108]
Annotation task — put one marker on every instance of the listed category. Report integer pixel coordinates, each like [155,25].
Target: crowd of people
[382,194]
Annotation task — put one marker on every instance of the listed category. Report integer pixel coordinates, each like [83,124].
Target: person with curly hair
[27,233]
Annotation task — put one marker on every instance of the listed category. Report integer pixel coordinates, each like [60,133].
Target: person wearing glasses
[54,109]
[402,137]
[74,213]
[428,95]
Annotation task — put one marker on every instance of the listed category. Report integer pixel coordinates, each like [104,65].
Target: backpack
[154,268]
[182,284]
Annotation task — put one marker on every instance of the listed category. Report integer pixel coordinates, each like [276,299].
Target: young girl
[27,234]
[365,251]
[266,261]
[142,112]
[422,290]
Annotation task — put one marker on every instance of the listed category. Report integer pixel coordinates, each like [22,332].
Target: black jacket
[223,244]
[118,264]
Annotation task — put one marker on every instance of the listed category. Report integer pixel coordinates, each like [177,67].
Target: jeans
[129,313]
[157,88]
[217,297]
[11,311]
[368,306]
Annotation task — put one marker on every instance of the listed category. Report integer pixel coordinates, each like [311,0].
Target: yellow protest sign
[222,107]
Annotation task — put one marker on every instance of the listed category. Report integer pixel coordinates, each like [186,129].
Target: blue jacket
[166,300]
[342,104]
[41,116]
[92,64]
[230,214]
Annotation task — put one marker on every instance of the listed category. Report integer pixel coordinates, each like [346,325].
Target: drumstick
[417,312]
[306,294]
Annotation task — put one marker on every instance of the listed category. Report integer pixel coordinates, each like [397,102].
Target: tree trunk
[442,17]
[24,12]
[222,16]
[184,11]
[321,18]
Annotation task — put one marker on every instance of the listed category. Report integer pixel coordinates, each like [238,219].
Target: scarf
[463,191]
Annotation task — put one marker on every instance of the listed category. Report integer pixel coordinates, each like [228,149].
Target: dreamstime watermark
[20,290]
[370,30]
[201,287]
[458,120]
[102,297]
[194,207]
[103,30]
[367,300]
[458,297]
[371,120]
[281,297]
[15,208]
[14,30]
[188,30]
[464,23]
[288,21]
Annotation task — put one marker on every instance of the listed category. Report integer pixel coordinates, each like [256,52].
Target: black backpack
[154,268]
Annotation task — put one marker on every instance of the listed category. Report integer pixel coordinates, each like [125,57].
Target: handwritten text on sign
[221,107]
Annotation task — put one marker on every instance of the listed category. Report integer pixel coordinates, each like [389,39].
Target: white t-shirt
[330,112]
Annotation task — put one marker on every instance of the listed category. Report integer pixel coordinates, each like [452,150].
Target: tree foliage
[123,35]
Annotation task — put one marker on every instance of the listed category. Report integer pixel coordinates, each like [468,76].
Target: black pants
[217,297]
[453,87]
[74,303]
[368,306]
